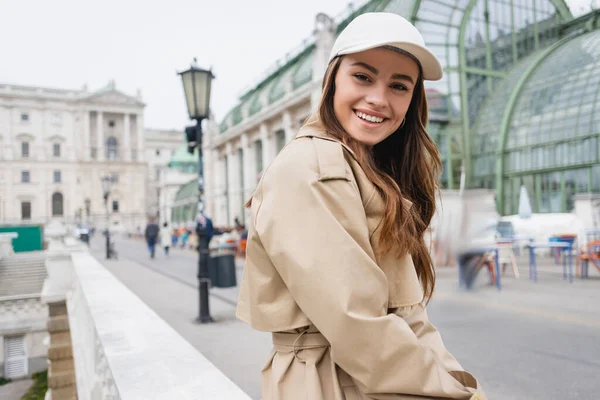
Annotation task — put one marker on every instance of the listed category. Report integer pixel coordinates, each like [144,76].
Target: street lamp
[106,181]
[196,86]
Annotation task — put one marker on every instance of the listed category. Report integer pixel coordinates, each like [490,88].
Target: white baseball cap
[371,30]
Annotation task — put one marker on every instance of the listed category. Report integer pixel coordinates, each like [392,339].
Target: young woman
[337,267]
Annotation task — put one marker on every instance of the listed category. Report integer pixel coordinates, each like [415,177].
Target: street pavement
[529,341]
[15,389]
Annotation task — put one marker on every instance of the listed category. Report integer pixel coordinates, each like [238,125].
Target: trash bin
[212,270]
[221,270]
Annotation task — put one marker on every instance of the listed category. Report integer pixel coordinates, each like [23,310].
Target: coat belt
[294,342]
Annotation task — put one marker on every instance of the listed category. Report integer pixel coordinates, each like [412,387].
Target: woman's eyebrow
[376,71]
[366,66]
[403,77]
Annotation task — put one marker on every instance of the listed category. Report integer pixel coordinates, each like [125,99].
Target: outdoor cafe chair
[590,253]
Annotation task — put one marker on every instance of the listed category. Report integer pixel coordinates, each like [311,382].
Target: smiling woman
[337,268]
[374,90]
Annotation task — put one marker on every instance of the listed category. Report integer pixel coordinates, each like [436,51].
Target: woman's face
[373,90]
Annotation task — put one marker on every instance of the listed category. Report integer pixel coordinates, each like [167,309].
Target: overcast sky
[142,44]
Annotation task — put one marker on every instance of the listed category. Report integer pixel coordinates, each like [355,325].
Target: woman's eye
[399,87]
[361,77]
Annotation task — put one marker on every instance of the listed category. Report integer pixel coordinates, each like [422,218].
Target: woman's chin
[368,139]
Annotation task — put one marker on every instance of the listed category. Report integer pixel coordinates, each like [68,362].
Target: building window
[56,149]
[25,210]
[25,177]
[88,207]
[111,124]
[57,204]
[24,117]
[24,149]
[56,119]
[114,177]
[112,148]
[157,152]
[57,177]
[115,205]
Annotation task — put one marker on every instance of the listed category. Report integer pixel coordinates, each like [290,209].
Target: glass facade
[487,128]
[554,132]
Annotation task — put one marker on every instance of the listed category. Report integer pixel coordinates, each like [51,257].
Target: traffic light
[191,137]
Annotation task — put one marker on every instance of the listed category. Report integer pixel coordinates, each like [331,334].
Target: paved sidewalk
[15,390]
[529,341]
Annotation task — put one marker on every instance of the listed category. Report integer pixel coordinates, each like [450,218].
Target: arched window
[112,148]
[57,204]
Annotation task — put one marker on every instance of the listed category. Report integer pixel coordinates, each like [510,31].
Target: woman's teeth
[369,118]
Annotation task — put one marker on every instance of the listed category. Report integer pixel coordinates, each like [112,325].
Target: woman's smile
[370,120]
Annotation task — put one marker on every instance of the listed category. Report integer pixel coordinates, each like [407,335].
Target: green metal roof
[182,157]
[273,86]
[302,73]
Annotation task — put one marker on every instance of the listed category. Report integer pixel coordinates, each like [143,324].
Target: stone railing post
[6,247]
[59,266]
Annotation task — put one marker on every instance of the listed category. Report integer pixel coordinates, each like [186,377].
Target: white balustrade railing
[123,350]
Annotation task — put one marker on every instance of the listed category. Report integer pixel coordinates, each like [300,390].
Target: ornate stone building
[56,146]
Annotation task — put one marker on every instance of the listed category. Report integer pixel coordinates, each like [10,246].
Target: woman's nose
[376,97]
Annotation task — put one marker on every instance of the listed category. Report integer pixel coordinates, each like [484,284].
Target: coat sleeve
[428,335]
[315,233]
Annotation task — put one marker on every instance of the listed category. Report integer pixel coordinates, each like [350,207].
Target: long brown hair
[406,164]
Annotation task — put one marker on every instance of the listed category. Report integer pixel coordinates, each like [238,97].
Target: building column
[266,146]
[249,166]
[126,138]
[325,37]
[140,137]
[232,183]
[224,197]
[100,155]
[249,174]
[288,126]
[11,154]
[86,136]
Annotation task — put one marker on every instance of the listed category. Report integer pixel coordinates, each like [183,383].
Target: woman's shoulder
[311,159]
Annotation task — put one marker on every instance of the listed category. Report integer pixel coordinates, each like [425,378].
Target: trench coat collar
[315,128]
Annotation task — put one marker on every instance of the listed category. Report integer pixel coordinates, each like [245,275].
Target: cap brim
[432,69]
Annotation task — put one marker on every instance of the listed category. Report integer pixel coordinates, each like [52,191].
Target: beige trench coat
[346,324]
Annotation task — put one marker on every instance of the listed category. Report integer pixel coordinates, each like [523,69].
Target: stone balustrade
[116,345]
[6,247]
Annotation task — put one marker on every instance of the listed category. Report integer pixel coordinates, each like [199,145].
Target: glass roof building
[518,102]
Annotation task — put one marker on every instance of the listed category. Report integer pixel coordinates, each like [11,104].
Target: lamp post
[106,191]
[196,86]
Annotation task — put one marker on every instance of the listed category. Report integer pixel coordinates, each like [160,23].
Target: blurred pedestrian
[337,267]
[151,235]
[174,237]
[184,238]
[165,237]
